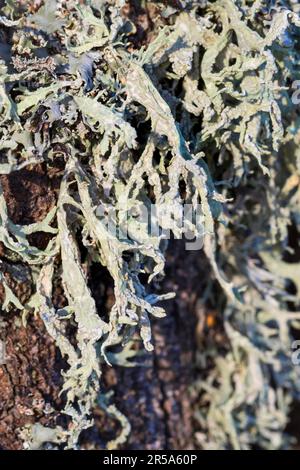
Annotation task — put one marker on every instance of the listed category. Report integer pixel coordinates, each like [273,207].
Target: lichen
[203,115]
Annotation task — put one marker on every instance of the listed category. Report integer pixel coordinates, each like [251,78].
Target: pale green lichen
[213,88]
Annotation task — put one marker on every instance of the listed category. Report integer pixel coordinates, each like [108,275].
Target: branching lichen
[212,90]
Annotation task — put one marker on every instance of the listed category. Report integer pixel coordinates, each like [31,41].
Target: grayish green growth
[212,90]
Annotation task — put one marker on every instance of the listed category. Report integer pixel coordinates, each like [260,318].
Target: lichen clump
[200,115]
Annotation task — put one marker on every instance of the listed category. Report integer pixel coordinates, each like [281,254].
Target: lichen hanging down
[201,116]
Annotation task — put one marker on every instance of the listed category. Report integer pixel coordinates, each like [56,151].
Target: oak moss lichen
[206,105]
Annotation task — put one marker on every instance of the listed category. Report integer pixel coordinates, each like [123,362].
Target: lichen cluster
[202,114]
